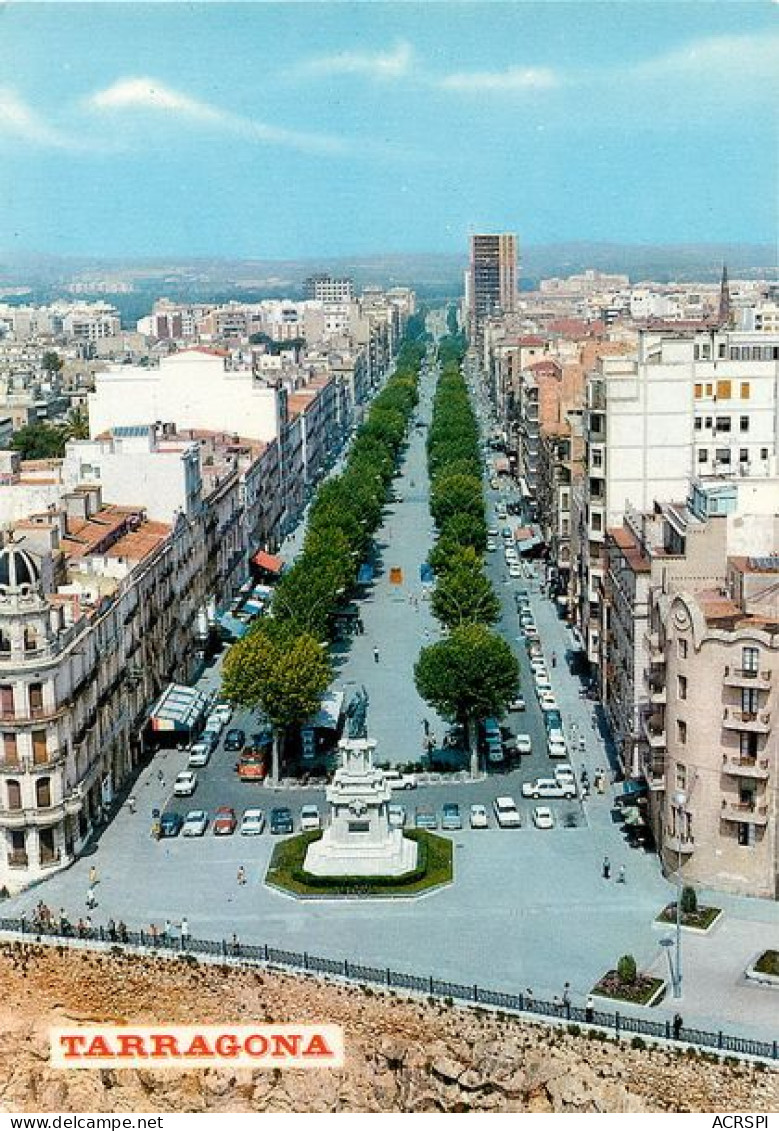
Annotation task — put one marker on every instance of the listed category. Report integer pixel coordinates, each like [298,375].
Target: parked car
[199,754]
[396,780]
[450,817]
[548,787]
[543,686]
[478,817]
[170,824]
[523,744]
[547,701]
[564,773]
[492,545]
[518,702]
[557,749]
[281,821]
[492,532]
[252,822]
[514,570]
[309,818]
[225,821]
[530,631]
[397,816]
[252,765]
[425,818]
[235,739]
[506,813]
[215,722]
[195,823]
[222,710]
[185,784]
[543,817]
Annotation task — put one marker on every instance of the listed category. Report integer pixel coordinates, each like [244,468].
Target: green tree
[626,970]
[280,673]
[78,424]
[468,676]
[689,900]
[456,494]
[463,595]
[40,441]
[52,362]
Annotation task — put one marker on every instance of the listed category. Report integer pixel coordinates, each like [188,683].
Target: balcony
[680,844]
[18,860]
[26,765]
[656,652]
[734,764]
[744,812]
[654,730]
[756,722]
[747,677]
[658,695]
[25,716]
[42,816]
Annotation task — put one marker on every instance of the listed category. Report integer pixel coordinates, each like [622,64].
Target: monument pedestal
[359,840]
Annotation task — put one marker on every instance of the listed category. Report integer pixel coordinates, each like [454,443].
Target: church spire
[724,299]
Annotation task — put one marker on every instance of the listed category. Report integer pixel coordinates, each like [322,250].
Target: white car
[185,784]
[538,664]
[215,722]
[547,701]
[523,744]
[492,545]
[564,774]
[530,631]
[252,822]
[542,817]
[518,702]
[396,780]
[548,787]
[223,711]
[506,813]
[397,816]
[195,823]
[199,754]
[309,818]
[478,817]
[514,570]
[543,686]
[557,749]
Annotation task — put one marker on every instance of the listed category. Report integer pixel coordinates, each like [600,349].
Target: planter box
[763,977]
[653,998]
[714,915]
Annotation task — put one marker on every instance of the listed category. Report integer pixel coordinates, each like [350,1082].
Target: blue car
[281,821]
[170,824]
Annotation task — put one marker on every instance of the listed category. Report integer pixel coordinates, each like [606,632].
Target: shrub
[626,970]
[689,901]
[638,1042]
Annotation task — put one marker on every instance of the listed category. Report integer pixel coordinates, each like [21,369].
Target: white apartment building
[697,404]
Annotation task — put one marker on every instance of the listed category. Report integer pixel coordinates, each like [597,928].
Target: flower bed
[699,920]
[644,991]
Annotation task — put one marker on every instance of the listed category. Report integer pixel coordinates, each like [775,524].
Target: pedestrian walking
[184,928]
[554,659]
[111,928]
[88,926]
[426,634]
[621,874]
[93,876]
[606,868]
[161,777]
[426,725]
[241,875]
[677,1025]
[376,655]
[567,994]
[167,931]
[91,900]
[132,804]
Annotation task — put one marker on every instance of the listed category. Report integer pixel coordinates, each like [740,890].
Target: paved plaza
[528,908]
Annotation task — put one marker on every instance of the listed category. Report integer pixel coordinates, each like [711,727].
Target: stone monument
[358,840]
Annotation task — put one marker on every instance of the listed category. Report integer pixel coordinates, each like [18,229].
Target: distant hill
[431,273]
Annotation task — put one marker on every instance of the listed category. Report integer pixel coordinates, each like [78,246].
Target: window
[722,455]
[698,423]
[43,793]
[703,455]
[597,459]
[10,749]
[748,744]
[723,423]
[724,390]
[709,389]
[681,776]
[709,420]
[36,699]
[749,700]
[743,423]
[7,701]
[764,453]
[681,732]
[681,648]
[746,834]
[698,390]
[39,751]
[682,686]
[597,522]
[743,455]
[750,659]
[745,390]
[14,791]
[721,350]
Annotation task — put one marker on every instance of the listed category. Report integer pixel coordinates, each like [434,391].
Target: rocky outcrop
[402,1055]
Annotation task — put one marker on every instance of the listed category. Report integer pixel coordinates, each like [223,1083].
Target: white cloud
[20,121]
[727,58]
[512,79]
[147,94]
[392,64]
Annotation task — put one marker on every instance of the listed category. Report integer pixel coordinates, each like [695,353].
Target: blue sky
[302,129]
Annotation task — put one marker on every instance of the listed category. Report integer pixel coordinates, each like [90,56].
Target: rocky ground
[402,1055]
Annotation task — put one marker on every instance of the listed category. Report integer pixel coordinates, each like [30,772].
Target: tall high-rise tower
[493,278]
[724,299]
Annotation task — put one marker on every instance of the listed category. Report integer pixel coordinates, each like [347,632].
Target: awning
[262,592]
[365,574]
[232,625]
[268,562]
[525,490]
[426,573]
[179,708]
[329,713]
[252,606]
[527,537]
[502,466]
[631,791]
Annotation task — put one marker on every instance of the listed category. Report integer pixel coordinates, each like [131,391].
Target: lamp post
[680,800]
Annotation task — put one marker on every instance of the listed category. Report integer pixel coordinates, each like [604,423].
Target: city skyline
[289,130]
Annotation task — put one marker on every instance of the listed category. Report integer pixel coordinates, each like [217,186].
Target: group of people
[45,921]
[607,871]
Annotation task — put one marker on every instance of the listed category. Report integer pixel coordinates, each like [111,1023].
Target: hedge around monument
[434,868]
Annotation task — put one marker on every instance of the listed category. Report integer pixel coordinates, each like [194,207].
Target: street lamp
[679,800]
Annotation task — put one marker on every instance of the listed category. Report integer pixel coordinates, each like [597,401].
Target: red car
[224,821]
